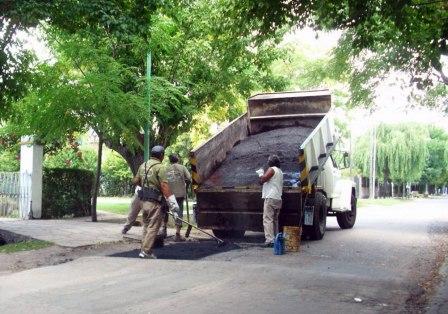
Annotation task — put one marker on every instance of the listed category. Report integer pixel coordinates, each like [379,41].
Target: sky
[391,99]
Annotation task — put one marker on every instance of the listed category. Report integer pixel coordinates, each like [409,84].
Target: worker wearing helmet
[151,176]
[272,180]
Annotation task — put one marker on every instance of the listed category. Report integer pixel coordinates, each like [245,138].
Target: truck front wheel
[236,234]
[317,230]
[346,220]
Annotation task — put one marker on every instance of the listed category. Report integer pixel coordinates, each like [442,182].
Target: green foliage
[66,192]
[15,67]
[436,170]
[401,152]
[116,176]
[28,245]
[98,80]
[382,36]
[72,158]
[9,160]
[182,147]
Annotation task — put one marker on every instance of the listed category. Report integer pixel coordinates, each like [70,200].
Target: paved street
[388,263]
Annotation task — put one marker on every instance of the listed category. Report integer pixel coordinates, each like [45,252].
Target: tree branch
[443,77]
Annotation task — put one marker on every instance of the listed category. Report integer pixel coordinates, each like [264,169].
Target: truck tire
[317,230]
[236,234]
[346,220]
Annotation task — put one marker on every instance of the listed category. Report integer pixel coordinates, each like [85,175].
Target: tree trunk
[97,178]
[133,158]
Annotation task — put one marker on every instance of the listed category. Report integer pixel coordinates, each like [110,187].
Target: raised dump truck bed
[238,169]
[292,125]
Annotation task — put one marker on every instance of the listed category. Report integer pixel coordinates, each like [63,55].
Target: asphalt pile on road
[252,153]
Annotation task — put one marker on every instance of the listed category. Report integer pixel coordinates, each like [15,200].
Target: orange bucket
[292,235]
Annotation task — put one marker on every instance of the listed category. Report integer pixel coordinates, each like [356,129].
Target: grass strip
[28,245]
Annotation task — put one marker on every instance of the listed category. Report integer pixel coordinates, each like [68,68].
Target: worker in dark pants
[272,180]
[151,176]
[178,178]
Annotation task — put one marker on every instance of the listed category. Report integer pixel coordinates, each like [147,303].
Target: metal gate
[15,194]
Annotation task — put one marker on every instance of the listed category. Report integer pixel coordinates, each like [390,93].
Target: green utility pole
[148,124]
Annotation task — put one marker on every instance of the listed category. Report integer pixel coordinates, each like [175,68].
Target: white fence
[15,193]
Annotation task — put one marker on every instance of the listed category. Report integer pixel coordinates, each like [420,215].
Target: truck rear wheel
[346,220]
[229,233]
[317,230]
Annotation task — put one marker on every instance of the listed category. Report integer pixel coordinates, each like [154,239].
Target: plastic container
[279,244]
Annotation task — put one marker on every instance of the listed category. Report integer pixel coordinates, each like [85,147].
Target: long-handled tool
[187,234]
[186,201]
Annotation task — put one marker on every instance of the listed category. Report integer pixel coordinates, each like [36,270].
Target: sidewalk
[74,232]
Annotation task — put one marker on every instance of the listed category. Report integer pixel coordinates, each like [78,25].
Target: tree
[408,35]
[98,80]
[116,174]
[436,169]
[9,160]
[401,152]
[72,158]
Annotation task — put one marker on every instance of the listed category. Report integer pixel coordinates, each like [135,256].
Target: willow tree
[401,152]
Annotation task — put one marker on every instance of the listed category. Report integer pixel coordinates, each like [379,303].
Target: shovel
[190,226]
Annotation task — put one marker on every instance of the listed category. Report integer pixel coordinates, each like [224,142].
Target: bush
[66,192]
[9,160]
[116,176]
[72,158]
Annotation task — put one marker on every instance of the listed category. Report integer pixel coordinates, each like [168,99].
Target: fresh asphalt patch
[188,250]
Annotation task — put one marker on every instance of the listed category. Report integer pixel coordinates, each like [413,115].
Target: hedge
[66,192]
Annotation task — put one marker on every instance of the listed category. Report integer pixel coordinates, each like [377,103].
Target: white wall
[31,157]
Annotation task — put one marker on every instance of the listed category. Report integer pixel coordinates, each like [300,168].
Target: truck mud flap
[309,216]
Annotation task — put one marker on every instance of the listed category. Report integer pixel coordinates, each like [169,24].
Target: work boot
[268,244]
[146,255]
[125,229]
[179,238]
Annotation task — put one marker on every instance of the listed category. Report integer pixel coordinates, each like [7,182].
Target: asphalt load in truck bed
[238,169]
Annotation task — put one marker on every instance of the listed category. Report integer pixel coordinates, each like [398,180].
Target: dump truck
[299,128]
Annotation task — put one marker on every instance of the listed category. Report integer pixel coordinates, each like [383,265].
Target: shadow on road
[331,229]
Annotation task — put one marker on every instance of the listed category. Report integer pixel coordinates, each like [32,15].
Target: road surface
[388,263]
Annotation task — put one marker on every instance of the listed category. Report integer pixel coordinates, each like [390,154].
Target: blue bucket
[279,244]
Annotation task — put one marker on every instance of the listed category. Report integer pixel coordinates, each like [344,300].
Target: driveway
[388,263]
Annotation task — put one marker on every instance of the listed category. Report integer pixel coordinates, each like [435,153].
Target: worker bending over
[272,180]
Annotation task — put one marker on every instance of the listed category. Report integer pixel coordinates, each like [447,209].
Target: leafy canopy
[380,36]
[406,152]
[98,79]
